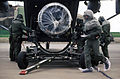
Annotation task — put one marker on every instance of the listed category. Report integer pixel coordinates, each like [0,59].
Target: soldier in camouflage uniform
[92,30]
[105,36]
[15,39]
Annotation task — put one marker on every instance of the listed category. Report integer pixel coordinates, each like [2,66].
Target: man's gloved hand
[25,33]
[102,44]
[32,34]
[84,36]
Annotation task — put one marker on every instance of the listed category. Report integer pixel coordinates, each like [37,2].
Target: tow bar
[33,67]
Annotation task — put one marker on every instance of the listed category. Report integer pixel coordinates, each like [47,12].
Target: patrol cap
[19,17]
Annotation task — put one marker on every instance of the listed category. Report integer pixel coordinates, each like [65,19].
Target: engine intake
[54,19]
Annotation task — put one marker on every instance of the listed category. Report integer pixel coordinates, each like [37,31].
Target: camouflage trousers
[15,46]
[105,49]
[92,45]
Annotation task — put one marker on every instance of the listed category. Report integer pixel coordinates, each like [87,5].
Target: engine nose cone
[54,19]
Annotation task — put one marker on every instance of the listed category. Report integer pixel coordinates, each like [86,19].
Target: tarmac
[58,70]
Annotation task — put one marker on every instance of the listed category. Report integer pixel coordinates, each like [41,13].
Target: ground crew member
[15,39]
[92,30]
[79,30]
[105,36]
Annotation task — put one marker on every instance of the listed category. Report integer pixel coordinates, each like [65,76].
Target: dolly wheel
[21,60]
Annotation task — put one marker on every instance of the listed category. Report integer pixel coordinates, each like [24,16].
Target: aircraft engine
[54,19]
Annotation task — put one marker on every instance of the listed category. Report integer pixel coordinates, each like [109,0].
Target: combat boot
[107,64]
[86,70]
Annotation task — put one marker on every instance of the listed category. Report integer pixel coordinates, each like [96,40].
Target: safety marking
[104,74]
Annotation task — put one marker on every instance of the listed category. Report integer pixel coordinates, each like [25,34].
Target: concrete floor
[10,70]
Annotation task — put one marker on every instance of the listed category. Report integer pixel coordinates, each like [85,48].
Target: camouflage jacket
[17,28]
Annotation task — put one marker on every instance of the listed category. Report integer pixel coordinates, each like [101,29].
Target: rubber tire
[82,61]
[21,60]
